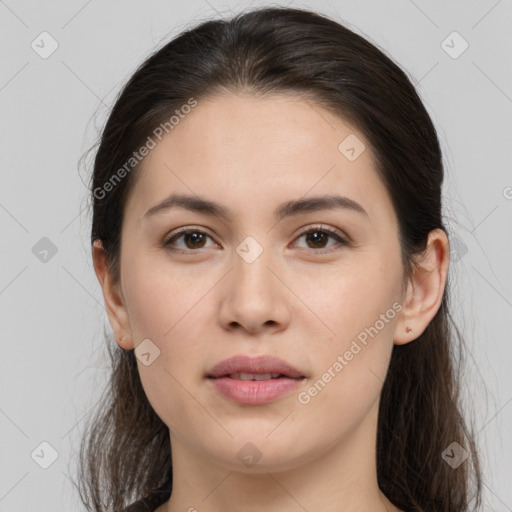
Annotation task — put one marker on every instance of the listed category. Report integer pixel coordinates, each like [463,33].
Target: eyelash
[315,229]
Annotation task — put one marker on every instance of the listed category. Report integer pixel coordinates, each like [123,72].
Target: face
[250,283]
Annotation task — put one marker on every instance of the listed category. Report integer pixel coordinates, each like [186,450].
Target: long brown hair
[125,454]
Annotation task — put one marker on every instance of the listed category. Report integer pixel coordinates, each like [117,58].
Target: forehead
[252,153]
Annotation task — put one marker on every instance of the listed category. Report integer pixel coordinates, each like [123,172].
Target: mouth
[254,380]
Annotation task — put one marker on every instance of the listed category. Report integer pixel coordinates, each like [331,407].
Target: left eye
[195,238]
[319,235]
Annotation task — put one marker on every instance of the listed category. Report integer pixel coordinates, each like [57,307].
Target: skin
[303,299]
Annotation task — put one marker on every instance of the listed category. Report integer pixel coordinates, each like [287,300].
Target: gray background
[52,368]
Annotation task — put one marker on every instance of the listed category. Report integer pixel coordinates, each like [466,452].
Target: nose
[254,296]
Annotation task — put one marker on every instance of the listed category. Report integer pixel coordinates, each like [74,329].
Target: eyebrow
[286,209]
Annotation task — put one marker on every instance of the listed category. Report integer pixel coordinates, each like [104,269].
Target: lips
[254,368]
[254,380]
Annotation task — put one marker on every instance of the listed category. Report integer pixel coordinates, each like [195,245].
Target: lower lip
[254,392]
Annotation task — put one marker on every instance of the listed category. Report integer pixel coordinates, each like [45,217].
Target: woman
[268,235]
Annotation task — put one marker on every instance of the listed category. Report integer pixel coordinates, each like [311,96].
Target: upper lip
[259,364]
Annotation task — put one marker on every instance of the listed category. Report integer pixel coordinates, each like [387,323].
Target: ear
[425,289]
[113,296]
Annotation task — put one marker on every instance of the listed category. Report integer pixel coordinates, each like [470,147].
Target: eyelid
[323,227]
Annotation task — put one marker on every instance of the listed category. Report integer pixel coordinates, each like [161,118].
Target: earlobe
[113,297]
[425,289]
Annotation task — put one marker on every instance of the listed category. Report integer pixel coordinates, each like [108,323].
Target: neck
[343,478]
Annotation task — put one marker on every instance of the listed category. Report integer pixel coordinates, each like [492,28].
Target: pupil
[195,237]
[318,235]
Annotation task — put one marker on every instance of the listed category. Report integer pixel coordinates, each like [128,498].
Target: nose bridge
[251,262]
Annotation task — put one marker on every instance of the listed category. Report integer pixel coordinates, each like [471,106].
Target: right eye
[192,237]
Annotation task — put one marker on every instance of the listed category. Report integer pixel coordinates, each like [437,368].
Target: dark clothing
[137,507]
[141,506]
[150,504]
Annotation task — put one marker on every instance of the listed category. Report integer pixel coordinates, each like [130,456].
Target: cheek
[167,304]
[161,298]
[352,299]
[164,310]
[350,371]
[352,359]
